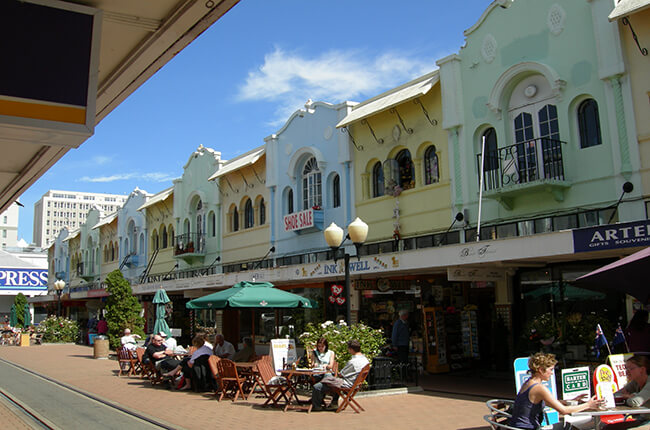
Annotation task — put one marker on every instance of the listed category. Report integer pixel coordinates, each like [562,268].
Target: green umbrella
[160,299]
[570,293]
[12,317]
[251,295]
[28,316]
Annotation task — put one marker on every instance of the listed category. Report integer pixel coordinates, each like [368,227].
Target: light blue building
[132,234]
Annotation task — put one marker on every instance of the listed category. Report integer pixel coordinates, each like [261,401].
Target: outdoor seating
[347,394]
[149,371]
[38,338]
[126,362]
[500,407]
[229,380]
[213,361]
[498,422]
[274,387]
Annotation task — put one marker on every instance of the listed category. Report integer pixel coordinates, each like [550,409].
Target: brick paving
[74,365]
[10,420]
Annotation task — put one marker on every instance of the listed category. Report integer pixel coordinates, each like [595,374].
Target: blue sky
[243,77]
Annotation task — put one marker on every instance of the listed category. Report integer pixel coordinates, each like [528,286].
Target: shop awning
[628,7]
[158,198]
[247,159]
[408,91]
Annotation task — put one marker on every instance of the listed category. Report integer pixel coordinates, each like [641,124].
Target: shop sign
[473,274]
[612,236]
[299,220]
[23,279]
[617,362]
[97,293]
[374,284]
[575,382]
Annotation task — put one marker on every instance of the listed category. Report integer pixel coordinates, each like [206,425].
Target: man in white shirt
[128,340]
[223,348]
[348,375]
[170,342]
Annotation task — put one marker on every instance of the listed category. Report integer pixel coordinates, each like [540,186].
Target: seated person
[223,348]
[636,392]
[247,353]
[169,342]
[186,365]
[322,356]
[159,355]
[206,338]
[128,340]
[528,410]
[348,375]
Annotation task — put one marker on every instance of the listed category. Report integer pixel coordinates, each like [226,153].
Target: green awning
[251,295]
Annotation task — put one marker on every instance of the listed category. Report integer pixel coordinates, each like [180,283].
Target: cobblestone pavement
[74,365]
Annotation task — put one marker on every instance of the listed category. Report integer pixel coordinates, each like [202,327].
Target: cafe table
[595,414]
[292,375]
[248,370]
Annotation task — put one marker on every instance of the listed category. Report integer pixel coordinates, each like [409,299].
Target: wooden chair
[126,362]
[213,362]
[273,386]
[347,394]
[149,370]
[229,380]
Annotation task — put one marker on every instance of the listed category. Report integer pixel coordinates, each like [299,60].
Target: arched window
[431,168]
[492,177]
[377,180]
[406,177]
[235,220]
[290,202]
[249,216]
[336,191]
[163,235]
[311,185]
[213,224]
[589,124]
[154,240]
[262,212]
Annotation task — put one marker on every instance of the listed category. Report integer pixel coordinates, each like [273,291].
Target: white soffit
[238,163]
[109,219]
[628,7]
[157,198]
[409,91]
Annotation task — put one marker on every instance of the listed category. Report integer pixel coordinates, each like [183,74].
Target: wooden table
[618,410]
[248,370]
[291,375]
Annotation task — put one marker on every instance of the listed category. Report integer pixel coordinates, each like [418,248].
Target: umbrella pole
[253,327]
[277,318]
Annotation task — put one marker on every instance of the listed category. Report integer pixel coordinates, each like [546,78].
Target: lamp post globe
[333,236]
[58,286]
[358,231]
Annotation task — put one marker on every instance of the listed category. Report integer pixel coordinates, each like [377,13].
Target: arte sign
[612,236]
[299,220]
[25,279]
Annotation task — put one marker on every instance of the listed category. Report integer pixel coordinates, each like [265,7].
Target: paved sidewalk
[74,365]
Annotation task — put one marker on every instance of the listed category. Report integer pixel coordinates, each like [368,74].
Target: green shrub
[122,309]
[58,329]
[20,301]
[338,335]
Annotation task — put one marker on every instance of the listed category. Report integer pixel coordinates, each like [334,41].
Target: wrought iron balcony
[522,168]
[190,247]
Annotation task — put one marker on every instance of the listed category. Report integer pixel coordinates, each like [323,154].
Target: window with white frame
[311,185]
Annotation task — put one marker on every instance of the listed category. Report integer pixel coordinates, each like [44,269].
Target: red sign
[299,220]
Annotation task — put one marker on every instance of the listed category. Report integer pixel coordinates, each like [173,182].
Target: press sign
[575,382]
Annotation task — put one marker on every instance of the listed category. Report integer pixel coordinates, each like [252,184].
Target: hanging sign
[575,382]
[611,236]
[335,297]
[283,352]
[299,220]
[474,274]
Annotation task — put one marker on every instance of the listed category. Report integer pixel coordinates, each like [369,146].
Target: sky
[242,79]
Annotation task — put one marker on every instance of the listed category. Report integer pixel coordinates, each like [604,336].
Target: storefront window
[565,222]
[506,230]
[543,225]
[526,228]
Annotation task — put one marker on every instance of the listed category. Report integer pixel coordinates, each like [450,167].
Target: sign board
[617,361]
[522,375]
[575,382]
[299,220]
[23,279]
[282,351]
[612,236]
[474,274]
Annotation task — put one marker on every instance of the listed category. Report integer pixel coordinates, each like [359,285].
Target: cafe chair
[498,422]
[230,381]
[213,361]
[347,394]
[501,407]
[126,362]
[275,387]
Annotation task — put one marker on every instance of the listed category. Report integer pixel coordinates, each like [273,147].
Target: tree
[122,308]
[19,302]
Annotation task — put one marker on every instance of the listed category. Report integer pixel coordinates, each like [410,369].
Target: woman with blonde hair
[528,410]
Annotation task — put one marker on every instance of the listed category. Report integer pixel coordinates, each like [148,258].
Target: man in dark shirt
[159,355]
[400,336]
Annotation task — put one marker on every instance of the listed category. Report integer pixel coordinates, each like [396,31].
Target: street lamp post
[58,286]
[357,233]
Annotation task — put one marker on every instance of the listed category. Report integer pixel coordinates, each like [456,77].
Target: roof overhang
[240,162]
[161,196]
[409,91]
[128,40]
[628,7]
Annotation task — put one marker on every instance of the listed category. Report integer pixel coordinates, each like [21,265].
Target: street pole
[348,293]
[58,312]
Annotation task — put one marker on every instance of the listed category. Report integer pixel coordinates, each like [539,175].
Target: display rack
[436,345]
[469,327]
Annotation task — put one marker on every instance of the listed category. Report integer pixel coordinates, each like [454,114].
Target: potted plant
[544,328]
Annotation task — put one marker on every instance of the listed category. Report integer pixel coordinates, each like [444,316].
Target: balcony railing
[523,163]
[190,243]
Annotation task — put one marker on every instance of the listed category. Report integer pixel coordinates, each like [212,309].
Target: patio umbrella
[28,316]
[160,299]
[12,316]
[628,275]
[252,295]
[571,292]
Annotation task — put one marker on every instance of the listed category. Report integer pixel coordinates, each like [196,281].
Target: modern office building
[9,227]
[58,209]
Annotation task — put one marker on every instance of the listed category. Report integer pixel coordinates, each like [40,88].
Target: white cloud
[101,159]
[289,79]
[150,177]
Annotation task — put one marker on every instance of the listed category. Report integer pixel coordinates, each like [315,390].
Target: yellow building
[158,212]
[403,183]
[109,243]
